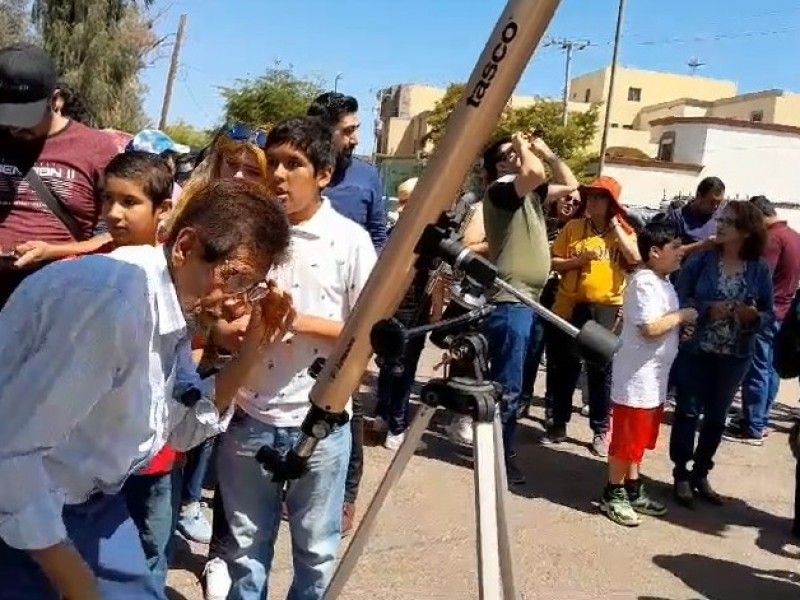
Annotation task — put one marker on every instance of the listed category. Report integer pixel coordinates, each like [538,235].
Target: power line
[568,46]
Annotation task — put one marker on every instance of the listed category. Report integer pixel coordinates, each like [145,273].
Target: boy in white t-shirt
[330,260]
[651,319]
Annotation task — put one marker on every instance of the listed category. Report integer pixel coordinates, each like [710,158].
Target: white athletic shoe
[217,580]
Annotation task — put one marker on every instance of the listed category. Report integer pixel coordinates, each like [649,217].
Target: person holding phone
[730,286]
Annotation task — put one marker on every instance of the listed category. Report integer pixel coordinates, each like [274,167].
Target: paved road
[423,546]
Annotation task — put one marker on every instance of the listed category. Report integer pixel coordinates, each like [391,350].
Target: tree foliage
[266,100]
[570,141]
[100,47]
[184,133]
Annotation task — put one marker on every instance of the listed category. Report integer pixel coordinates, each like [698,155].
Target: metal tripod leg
[504,534]
[407,449]
[495,564]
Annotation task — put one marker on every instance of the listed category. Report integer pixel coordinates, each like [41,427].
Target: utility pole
[336,82]
[612,81]
[173,72]
[568,46]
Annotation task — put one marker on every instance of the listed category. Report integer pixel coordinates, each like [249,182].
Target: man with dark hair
[695,221]
[99,348]
[760,385]
[514,219]
[49,169]
[354,191]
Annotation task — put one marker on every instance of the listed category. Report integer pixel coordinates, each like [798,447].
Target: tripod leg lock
[293,464]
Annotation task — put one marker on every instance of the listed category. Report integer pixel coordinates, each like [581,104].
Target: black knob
[316,367]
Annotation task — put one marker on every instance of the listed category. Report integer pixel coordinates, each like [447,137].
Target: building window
[627,126]
[587,96]
[634,94]
[666,147]
[615,125]
[757,116]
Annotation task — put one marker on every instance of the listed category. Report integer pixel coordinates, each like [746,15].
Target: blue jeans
[706,386]
[760,385]
[394,390]
[154,502]
[509,335]
[533,359]
[253,509]
[102,531]
[198,461]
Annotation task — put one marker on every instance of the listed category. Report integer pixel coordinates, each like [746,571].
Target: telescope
[425,232]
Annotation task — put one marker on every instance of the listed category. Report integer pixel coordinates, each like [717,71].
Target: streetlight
[611,82]
[336,82]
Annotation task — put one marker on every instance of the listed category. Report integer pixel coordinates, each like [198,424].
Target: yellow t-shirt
[601,281]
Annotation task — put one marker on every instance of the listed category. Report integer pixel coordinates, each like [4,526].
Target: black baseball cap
[28,78]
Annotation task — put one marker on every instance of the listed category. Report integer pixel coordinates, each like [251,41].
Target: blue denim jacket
[697,287]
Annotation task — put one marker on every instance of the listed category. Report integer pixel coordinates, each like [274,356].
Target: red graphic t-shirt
[70,163]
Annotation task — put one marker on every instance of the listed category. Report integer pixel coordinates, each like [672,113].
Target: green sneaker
[645,505]
[616,506]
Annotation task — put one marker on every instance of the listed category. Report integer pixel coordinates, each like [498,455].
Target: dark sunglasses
[238,132]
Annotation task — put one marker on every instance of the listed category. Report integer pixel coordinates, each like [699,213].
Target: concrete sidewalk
[424,545]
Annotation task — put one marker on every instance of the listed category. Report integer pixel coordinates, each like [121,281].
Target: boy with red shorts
[651,320]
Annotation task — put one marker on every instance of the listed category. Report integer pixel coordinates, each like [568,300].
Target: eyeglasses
[238,132]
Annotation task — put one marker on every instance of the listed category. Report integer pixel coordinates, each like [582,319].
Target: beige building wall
[636,89]
[747,107]
[787,110]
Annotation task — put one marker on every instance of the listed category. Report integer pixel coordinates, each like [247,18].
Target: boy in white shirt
[330,260]
[651,320]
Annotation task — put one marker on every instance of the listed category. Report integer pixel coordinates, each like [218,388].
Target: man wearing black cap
[49,166]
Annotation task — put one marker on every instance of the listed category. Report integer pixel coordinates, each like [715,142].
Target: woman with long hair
[235,152]
[730,286]
[592,255]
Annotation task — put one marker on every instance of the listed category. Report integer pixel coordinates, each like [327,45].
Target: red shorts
[633,430]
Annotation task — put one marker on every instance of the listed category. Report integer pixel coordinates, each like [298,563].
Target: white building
[751,158]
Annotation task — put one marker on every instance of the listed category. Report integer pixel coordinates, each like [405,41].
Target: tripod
[465,390]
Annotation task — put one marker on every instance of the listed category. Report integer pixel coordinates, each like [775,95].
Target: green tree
[184,133]
[569,141]
[276,95]
[100,47]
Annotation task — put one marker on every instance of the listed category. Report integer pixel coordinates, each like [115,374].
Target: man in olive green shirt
[514,220]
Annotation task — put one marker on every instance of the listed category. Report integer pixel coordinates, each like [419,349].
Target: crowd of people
[161,310]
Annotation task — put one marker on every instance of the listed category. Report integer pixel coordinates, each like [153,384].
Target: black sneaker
[741,436]
[513,474]
[555,434]
[684,494]
[704,490]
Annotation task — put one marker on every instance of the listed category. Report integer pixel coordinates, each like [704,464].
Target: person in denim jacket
[731,289]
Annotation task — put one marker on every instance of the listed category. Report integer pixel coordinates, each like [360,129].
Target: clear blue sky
[378,43]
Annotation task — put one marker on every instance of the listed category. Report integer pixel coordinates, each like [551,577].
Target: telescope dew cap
[28,78]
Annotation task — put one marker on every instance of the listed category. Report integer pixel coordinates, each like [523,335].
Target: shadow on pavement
[184,559]
[560,476]
[717,579]
[173,594]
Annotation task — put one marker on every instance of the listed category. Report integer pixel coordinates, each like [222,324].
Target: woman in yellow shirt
[593,254]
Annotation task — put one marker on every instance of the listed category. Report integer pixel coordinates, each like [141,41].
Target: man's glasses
[238,132]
